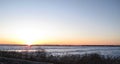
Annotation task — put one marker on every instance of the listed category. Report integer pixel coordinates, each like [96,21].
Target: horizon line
[51,45]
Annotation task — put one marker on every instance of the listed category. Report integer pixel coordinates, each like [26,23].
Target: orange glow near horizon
[58,42]
[31,36]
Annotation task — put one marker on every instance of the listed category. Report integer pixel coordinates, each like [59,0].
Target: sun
[29,43]
[30,35]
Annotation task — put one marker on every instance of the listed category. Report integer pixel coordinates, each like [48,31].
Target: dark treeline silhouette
[42,56]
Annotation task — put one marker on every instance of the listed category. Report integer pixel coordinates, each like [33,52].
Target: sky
[61,22]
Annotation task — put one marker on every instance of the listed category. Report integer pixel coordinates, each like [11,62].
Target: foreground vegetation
[4,60]
[42,56]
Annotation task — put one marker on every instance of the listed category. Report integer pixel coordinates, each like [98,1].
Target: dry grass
[66,59]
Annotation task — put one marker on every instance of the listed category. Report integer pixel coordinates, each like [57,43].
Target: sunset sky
[63,22]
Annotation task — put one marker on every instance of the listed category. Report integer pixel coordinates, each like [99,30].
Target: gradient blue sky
[61,21]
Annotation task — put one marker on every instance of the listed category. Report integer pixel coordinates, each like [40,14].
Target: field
[42,56]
